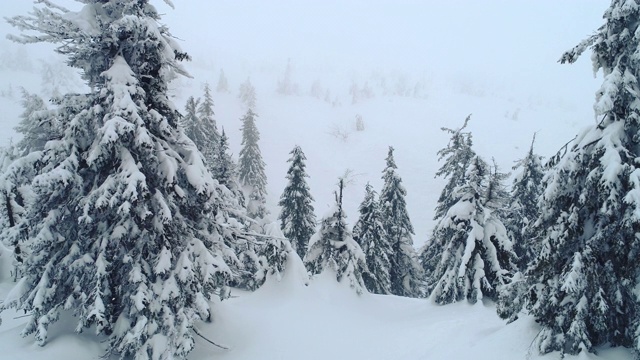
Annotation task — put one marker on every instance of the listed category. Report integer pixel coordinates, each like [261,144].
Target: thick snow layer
[323,320]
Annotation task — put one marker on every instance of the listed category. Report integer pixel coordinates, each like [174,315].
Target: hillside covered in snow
[344,86]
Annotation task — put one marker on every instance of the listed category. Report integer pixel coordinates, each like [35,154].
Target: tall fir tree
[583,283]
[286,85]
[223,83]
[497,196]
[523,208]
[297,219]
[332,248]
[200,126]
[190,120]
[125,228]
[251,168]
[225,169]
[369,233]
[257,257]
[470,255]
[457,155]
[405,273]
[247,94]
[206,117]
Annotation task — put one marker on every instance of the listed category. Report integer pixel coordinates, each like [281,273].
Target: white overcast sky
[508,43]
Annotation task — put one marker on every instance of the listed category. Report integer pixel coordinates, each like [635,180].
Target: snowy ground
[325,320]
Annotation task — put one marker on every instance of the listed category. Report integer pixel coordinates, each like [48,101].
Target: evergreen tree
[200,126]
[247,272]
[251,168]
[583,283]
[225,168]
[8,215]
[205,115]
[405,274]
[297,220]
[247,94]
[286,85]
[256,207]
[223,83]
[370,235]
[14,199]
[333,247]
[190,120]
[497,196]
[457,156]
[36,130]
[253,180]
[469,255]
[125,227]
[525,192]
[266,256]
[276,250]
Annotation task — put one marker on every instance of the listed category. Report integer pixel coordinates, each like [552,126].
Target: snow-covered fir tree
[470,255]
[497,196]
[251,168]
[225,168]
[297,219]
[369,233]
[247,274]
[35,129]
[200,126]
[286,85]
[457,155]
[247,94]
[206,116]
[332,248]
[256,256]
[14,199]
[523,208]
[125,229]
[190,117]
[583,283]
[275,251]
[8,205]
[405,273]
[223,83]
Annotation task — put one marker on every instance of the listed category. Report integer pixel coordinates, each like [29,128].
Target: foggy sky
[509,43]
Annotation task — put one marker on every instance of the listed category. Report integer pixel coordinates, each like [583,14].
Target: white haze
[490,58]
[506,46]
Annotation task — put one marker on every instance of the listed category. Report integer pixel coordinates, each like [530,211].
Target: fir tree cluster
[377,255]
[119,209]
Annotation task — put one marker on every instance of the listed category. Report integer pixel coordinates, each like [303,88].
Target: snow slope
[287,319]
